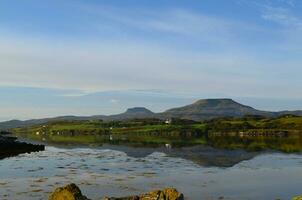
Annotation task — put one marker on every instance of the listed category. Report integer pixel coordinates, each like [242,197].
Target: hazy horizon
[158,103]
[93,57]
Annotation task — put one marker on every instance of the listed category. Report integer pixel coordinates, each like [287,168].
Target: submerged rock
[69,192]
[72,192]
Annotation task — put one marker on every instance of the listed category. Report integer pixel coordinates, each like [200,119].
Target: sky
[89,57]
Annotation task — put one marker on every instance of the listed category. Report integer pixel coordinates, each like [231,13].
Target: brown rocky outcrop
[69,192]
[72,192]
[166,194]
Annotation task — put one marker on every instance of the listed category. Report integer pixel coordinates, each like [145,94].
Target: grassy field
[251,133]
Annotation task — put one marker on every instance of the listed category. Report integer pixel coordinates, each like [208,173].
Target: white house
[168,121]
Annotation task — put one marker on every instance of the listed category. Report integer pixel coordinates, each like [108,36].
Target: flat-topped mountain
[200,110]
[213,108]
[136,112]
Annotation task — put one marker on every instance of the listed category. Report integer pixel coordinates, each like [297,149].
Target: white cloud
[291,3]
[87,69]
[169,22]
[98,65]
[114,101]
[106,66]
[283,17]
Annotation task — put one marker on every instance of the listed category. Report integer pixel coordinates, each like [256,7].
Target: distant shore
[252,133]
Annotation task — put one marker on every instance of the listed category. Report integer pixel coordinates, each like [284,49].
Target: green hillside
[249,132]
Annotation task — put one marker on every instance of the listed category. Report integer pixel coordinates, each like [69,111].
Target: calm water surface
[198,172]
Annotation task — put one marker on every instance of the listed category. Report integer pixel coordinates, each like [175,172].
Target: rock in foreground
[72,192]
[69,192]
[166,194]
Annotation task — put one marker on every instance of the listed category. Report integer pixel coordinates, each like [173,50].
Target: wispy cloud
[139,64]
[111,65]
[89,48]
[284,20]
[291,3]
[114,101]
[280,12]
[282,16]
[167,22]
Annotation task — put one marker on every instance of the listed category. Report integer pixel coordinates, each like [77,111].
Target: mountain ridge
[212,108]
[202,109]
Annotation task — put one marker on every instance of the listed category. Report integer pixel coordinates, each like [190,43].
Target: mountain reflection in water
[202,155]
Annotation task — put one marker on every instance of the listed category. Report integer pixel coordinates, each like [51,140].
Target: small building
[168,121]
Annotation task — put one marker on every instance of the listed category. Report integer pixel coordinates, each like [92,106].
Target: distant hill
[136,112]
[213,108]
[18,123]
[297,112]
[200,110]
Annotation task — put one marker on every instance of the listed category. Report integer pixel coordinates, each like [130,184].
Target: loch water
[200,172]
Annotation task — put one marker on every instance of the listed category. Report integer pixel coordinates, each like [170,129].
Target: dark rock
[10,147]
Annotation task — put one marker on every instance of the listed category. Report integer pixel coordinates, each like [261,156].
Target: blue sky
[86,57]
